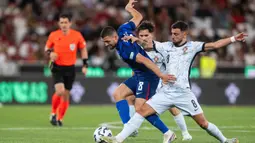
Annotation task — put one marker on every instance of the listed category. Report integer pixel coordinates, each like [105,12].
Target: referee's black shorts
[63,74]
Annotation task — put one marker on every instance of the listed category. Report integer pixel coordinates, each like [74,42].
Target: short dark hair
[107,31]
[65,15]
[146,25]
[183,26]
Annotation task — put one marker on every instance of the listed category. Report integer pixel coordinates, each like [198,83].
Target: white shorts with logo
[184,100]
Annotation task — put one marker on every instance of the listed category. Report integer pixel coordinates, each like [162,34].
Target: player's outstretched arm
[137,16]
[149,64]
[224,42]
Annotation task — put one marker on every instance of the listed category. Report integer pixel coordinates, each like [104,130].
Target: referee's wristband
[85,62]
[48,52]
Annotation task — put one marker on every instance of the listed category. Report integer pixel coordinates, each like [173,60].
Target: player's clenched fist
[241,37]
[84,70]
[53,56]
[130,5]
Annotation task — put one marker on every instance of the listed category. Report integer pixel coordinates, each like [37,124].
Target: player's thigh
[121,92]
[187,102]
[139,102]
[174,111]
[131,99]
[159,102]
[146,110]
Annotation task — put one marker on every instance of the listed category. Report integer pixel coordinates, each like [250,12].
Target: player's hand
[84,70]
[241,37]
[132,38]
[168,78]
[53,56]
[130,5]
[148,43]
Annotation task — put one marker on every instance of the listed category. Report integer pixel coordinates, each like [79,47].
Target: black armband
[49,51]
[85,62]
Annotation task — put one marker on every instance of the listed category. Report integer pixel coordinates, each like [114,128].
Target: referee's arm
[49,49]
[84,53]
[84,56]
[52,55]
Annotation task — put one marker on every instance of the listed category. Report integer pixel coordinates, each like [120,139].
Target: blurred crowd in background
[26,24]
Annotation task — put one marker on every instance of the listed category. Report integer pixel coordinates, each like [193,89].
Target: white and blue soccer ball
[101,131]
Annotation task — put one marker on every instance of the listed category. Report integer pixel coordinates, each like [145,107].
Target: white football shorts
[185,100]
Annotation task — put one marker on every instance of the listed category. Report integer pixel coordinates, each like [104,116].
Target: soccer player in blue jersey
[145,81]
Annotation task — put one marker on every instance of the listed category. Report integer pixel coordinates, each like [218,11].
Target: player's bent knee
[201,120]
[141,112]
[139,103]
[121,93]
[66,95]
[60,91]
[203,124]
[130,100]
[145,110]
[117,95]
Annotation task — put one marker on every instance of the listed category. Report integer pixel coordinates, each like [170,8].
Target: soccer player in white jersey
[179,57]
[145,31]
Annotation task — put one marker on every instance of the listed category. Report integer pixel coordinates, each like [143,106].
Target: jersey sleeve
[81,42]
[199,46]
[158,46]
[126,29]
[129,53]
[50,43]
[162,48]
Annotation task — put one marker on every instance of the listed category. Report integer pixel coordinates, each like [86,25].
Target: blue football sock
[156,122]
[123,109]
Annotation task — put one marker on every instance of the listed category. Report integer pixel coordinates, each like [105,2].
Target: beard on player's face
[176,41]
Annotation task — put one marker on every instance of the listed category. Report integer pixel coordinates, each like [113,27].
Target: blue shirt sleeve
[126,29]
[129,51]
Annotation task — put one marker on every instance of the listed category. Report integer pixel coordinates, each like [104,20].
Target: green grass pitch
[30,124]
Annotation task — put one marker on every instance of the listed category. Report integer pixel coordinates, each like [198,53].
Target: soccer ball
[101,131]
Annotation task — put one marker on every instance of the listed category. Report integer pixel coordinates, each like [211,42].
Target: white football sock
[180,121]
[133,124]
[131,110]
[215,132]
